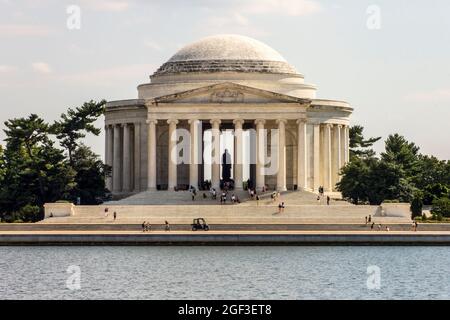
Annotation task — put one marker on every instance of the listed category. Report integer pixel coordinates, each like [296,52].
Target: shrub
[441,207]
[29,213]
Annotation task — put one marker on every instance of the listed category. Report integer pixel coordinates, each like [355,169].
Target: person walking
[372,226]
[143,226]
[366,221]
[370,218]
[115,215]
[167,227]
[279,208]
[257,200]
[328,200]
[415,225]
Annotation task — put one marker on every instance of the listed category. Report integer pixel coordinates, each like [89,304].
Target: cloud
[7,69]
[111,76]
[430,96]
[153,45]
[281,7]
[41,67]
[107,5]
[24,30]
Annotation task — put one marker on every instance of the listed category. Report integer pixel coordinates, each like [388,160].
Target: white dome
[226,53]
[227,47]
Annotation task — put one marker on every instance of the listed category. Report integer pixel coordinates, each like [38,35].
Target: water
[225,272]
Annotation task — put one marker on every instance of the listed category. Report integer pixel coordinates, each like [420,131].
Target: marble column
[347,144]
[126,175]
[215,154]
[172,157]
[109,153]
[238,162]
[117,186]
[327,181]
[337,155]
[281,174]
[342,144]
[260,154]
[137,157]
[194,152]
[302,156]
[316,156]
[151,158]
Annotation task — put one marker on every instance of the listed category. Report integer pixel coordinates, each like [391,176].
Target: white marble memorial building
[226,82]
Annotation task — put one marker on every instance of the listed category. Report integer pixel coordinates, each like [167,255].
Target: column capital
[278,121]
[137,123]
[191,121]
[172,121]
[124,125]
[301,121]
[339,126]
[151,121]
[328,125]
[215,121]
[260,121]
[238,121]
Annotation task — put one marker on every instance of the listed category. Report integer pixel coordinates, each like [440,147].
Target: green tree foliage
[2,164]
[416,205]
[400,173]
[359,146]
[74,125]
[402,153]
[90,175]
[371,181]
[33,171]
[433,178]
[441,207]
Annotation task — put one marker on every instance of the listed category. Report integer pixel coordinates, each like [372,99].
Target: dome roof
[226,53]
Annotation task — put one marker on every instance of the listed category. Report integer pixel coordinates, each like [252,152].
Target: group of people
[414,224]
[234,198]
[146,226]
[107,214]
[321,196]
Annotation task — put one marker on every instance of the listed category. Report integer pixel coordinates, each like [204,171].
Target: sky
[388,59]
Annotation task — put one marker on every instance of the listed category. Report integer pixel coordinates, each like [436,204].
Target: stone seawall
[244,239]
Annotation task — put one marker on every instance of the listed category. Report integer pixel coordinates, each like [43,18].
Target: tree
[416,206]
[90,175]
[74,125]
[432,178]
[402,153]
[372,181]
[35,171]
[353,184]
[441,207]
[359,146]
[2,164]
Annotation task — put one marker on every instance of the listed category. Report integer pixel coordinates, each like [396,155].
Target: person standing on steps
[328,200]
[115,215]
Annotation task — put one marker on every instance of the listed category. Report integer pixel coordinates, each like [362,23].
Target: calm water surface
[225,272]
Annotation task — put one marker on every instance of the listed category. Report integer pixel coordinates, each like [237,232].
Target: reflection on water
[225,272]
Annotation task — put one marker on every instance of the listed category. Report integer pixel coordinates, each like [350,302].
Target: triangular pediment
[228,92]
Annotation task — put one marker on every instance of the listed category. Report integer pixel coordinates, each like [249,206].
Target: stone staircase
[178,208]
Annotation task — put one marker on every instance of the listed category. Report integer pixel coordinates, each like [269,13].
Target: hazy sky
[397,77]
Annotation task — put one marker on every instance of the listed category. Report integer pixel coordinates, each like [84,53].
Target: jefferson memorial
[219,84]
